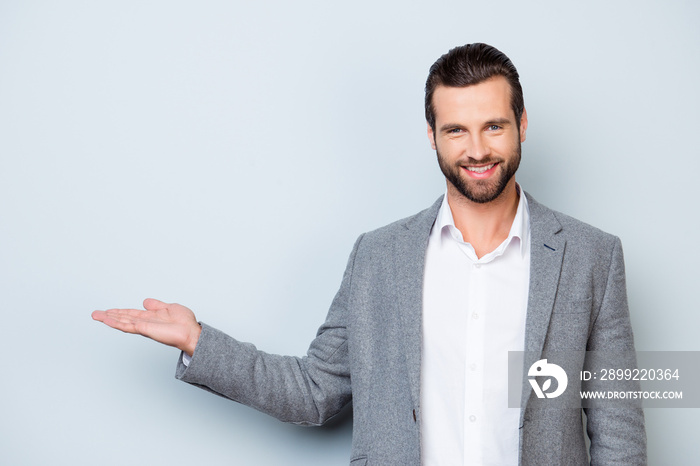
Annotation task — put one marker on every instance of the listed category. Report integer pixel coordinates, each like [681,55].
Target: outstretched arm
[170,324]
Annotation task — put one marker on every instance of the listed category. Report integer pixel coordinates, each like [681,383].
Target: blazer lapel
[546,255]
[410,248]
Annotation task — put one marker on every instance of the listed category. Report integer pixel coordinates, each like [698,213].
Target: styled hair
[468,65]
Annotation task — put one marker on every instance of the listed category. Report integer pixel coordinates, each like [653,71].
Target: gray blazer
[368,349]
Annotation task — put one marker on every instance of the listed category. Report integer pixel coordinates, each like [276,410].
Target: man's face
[477,139]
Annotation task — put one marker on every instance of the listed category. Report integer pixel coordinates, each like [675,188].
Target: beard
[481,191]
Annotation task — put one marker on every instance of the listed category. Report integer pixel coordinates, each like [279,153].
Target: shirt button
[475,315]
[472,367]
[472,418]
[477,265]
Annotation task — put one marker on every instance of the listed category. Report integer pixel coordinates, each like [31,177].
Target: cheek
[454,146]
[448,152]
[506,147]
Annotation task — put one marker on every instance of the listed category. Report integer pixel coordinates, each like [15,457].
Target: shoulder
[416,225]
[585,244]
[572,228]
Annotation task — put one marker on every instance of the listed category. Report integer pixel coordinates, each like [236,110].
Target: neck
[484,226]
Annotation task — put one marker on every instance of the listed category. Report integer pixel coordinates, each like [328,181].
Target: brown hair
[472,64]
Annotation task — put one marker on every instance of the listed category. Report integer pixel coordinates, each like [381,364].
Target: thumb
[151,304]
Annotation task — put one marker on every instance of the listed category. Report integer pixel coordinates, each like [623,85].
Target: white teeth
[480,169]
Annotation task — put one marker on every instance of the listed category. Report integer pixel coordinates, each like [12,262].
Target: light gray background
[225,155]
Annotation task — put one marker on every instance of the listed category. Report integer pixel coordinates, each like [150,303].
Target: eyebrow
[499,122]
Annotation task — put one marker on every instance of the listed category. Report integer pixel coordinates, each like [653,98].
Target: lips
[480,171]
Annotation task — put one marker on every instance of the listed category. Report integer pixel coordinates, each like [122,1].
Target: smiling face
[477,139]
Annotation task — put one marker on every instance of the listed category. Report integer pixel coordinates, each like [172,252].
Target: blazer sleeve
[307,390]
[617,434]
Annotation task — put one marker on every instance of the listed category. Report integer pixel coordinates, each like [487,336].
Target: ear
[431,137]
[523,125]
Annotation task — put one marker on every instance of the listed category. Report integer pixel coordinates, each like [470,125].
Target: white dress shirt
[473,314]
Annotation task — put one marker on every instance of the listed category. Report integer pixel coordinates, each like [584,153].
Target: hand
[170,324]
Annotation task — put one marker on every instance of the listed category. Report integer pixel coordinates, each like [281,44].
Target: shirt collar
[520,229]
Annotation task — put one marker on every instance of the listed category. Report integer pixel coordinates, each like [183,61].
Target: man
[429,307]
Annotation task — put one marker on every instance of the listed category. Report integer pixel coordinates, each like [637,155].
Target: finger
[124,324]
[153,304]
[102,315]
[118,311]
[131,320]
[128,320]
[131,313]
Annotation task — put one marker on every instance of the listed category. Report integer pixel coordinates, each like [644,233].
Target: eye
[455,131]
[493,127]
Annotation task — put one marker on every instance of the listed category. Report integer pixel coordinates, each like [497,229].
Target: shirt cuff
[186,358]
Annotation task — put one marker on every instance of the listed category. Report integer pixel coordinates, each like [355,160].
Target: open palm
[170,324]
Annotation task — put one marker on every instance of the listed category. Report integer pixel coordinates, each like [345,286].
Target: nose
[479,148]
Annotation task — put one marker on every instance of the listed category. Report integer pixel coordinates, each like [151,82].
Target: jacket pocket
[359,461]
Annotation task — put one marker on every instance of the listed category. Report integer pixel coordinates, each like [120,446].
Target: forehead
[486,100]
